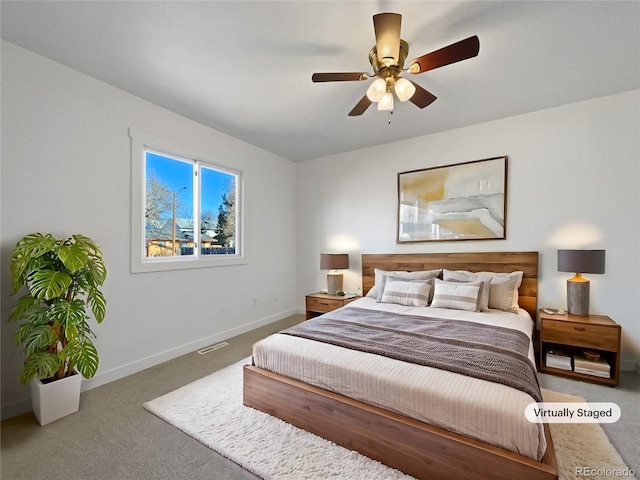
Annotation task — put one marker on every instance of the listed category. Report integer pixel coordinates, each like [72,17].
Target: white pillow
[412,293]
[504,294]
[456,295]
[501,296]
[376,290]
[503,291]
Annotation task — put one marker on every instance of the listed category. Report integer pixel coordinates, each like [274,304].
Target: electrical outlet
[276,296]
[255,301]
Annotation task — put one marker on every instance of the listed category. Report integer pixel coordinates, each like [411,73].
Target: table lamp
[334,261]
[579,262]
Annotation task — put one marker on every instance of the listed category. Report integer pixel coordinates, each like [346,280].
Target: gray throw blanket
[488,352]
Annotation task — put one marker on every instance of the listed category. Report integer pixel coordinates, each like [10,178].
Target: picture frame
[463,201]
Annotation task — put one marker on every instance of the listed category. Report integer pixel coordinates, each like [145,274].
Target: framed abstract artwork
[464,201]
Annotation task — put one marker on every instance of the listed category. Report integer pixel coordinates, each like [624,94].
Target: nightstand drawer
[323,304]
[580,334]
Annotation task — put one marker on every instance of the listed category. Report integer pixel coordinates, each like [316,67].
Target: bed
[426,427]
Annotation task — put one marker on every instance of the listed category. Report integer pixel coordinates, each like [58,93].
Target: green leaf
[34,245]
[74,257]
[71,331]
[83,355]
[22,333]
[41,365]
[17,270]
[97,270]
[22,305]
[68,314]
[29,247]
[48,284]
[98,304]
[38,314]
[88,245]
[35,338]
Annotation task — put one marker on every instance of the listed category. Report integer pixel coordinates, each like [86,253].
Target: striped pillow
[466,277]
[412,293]
[378,288]
[457,296]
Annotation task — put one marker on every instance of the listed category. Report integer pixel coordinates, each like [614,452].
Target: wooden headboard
[501,262]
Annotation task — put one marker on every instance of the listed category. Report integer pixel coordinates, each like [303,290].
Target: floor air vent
[211,348]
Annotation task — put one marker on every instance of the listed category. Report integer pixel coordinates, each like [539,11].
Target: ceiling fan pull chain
[389,118]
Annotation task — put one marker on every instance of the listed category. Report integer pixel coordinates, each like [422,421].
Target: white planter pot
[54,400]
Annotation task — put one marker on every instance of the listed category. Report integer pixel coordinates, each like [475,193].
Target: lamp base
[578,297]
[334,282]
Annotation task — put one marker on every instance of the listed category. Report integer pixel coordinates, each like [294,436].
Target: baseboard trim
[16,408]
[142,364]
[24,405]
[629,366]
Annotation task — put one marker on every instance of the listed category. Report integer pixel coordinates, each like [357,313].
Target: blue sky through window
[176,174]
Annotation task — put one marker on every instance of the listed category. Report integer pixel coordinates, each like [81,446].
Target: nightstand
[319,303]
[574,334]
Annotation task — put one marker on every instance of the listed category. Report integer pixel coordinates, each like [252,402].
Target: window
[186,210]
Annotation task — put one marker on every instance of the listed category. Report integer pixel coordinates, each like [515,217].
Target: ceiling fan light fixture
[376,90]
[404,89]
[386,102]
[387,29]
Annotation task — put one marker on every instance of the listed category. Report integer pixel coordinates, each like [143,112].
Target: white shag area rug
[211,411]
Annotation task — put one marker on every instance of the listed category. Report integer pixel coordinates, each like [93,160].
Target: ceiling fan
[387,58]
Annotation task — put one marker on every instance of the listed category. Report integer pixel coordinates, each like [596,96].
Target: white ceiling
[244,68]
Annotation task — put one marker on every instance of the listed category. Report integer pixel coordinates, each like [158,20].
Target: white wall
[66,168]
[573,182]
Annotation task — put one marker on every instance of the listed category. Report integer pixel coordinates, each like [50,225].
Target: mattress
[480,409]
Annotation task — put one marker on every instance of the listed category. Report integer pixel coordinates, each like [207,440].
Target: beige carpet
[211,411]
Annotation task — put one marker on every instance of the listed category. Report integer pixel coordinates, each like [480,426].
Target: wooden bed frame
[414,447]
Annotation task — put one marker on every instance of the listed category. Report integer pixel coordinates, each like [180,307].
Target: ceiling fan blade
[422,97]
[361,107]
[339,77]
[387,29]
[455,52]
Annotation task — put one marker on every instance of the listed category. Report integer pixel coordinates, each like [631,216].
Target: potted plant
[63,278]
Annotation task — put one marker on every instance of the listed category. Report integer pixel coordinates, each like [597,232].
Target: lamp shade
[333,261]
[376,90]
[387,30]
[581,261]
[404,89]
[386,102]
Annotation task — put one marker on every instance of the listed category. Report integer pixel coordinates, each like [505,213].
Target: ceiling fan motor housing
[380,69]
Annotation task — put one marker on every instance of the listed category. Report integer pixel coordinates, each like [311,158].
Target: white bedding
[489,412]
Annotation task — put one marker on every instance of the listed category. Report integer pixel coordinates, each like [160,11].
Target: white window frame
[142,142]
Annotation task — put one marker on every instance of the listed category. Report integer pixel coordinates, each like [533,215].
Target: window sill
[177,263]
